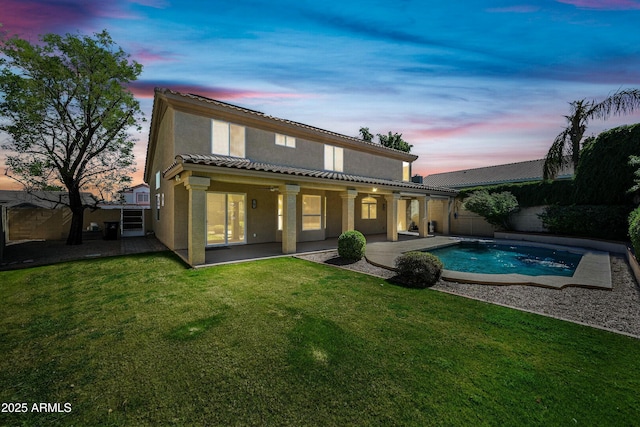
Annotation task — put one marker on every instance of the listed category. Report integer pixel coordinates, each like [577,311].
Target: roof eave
[181,165]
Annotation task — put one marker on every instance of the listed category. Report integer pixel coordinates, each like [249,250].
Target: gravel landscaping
[616,310]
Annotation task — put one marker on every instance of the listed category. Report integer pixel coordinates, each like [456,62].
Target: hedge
[534,193]
[634,230]
[604,175]
[596,221]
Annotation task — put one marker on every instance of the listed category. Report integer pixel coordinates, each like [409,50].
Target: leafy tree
[634,162]
[365,134]
[634,230]
[395,141]
[495,208]
[66,109]
[391,140]
[566,147]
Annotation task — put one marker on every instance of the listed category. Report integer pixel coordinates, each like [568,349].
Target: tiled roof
[246,164]
[513,172]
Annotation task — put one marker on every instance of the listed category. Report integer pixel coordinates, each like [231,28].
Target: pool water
[491,258]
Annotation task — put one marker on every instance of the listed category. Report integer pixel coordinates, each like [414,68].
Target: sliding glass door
[226,218]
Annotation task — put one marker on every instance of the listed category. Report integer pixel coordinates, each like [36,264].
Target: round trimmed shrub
[351,245]
[419,269]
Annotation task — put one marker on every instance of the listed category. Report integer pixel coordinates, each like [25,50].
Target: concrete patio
[43,252]
[237,253]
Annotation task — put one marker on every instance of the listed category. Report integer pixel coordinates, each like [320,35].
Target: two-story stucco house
[225,175]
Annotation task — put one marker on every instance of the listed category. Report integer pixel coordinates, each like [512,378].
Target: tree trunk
[77,218]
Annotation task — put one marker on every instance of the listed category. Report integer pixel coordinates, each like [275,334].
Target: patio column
[446,213]
[289,218]
[197,235]
[392,216]
[348,210]
[423,220]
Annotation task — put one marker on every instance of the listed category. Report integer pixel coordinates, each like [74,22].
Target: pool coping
[593,271]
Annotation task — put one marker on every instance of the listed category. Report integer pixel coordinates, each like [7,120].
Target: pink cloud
[29,18]
[502,125]
[146,90]
[441,132]
[146,56]
[604,5]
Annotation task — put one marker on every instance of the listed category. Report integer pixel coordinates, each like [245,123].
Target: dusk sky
[469,84]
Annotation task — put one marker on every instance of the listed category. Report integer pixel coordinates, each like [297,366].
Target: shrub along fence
[595,221]
[464,222]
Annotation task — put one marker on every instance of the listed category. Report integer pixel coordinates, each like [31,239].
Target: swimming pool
[493,258]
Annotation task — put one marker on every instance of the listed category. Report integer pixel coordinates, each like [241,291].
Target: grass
[140,340]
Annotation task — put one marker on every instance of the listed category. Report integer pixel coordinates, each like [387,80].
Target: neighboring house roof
[191,102]
[40,199]
[246,164]
[500,174]
[130,189]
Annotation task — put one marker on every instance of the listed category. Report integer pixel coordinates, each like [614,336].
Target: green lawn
[140,340]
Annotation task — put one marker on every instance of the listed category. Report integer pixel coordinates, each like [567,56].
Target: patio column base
[289,218]
[447,208]
[197,187]
[348,210]
[392,216]
[423,221]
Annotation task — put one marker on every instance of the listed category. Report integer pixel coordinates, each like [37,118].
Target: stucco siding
[334,214]
[163,157]
[193,136]
[371,226]
[179,217]
[366,164]
[261,147]
[192,133]
[435,212]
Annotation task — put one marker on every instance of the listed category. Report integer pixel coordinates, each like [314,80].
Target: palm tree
[565,149]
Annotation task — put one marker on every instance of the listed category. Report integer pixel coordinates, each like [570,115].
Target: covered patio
[263,208]
[239,253]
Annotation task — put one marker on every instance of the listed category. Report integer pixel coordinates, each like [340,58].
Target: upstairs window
[142,198]
[157,180]
[406,171]
[369,208]
[333,158]
[285,141]
[227,139]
